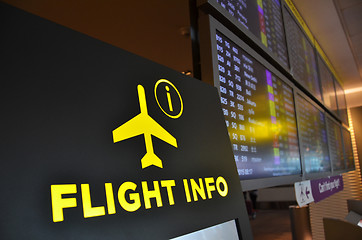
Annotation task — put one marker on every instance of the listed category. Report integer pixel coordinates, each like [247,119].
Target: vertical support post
[300,223]
[195,44]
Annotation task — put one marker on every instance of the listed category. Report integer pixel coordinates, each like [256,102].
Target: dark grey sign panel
[97,143]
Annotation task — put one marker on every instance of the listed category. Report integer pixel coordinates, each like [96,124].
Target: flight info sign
[98,143]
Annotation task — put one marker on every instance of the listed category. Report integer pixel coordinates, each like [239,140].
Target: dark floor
[271,224]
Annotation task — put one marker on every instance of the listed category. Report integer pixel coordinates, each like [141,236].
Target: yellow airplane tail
[151,159]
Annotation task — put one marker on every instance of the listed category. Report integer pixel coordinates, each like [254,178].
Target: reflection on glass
[342,106]
[259,112]
[264,19]
[313,137]
[348,151]
[336,146]
[303,64]
[329,95]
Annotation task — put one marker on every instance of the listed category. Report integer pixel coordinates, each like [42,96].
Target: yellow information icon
[172,112]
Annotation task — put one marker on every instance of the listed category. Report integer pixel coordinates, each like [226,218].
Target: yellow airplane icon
[144,124]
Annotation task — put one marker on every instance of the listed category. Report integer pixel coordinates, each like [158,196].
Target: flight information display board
[263,18]
[259,112]
[335,145]
[329,94]
[312,137]
[342,105]
[302,58]
[348,150]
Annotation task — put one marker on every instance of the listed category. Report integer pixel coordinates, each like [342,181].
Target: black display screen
[342,105]
[264,19]
[329,94]
[302,58]
[348,150]
[259,112]
[313,137]
[335,145]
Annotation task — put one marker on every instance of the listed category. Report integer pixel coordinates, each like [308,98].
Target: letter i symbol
[169,98]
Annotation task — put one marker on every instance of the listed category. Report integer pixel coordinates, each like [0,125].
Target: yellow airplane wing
[132,128]
[152,127]
[142,124]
